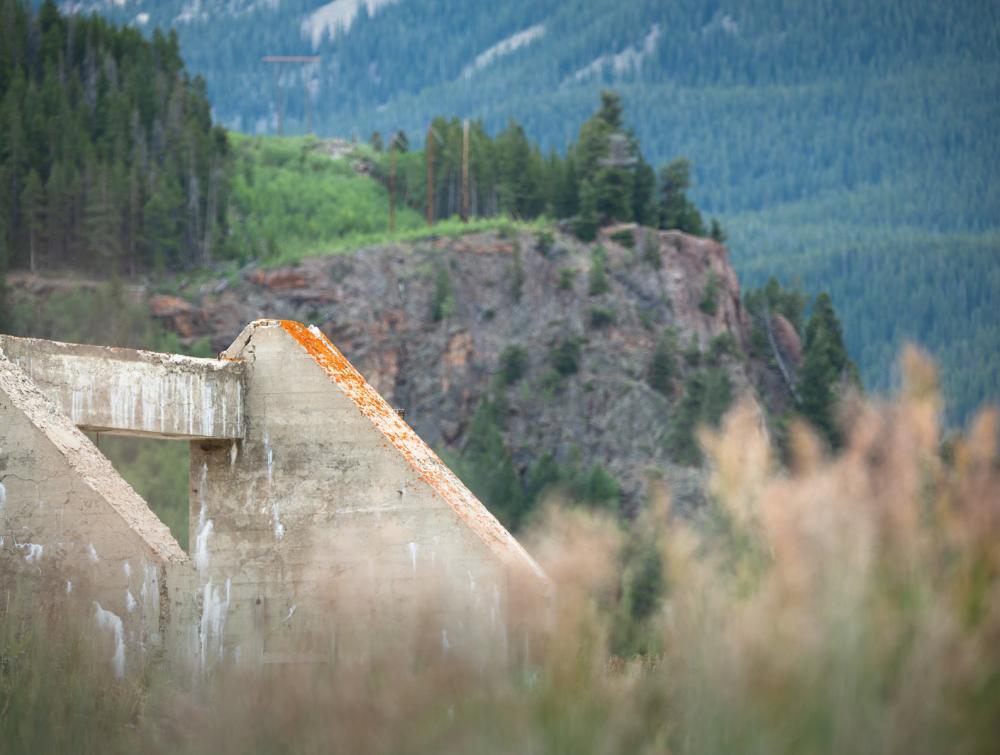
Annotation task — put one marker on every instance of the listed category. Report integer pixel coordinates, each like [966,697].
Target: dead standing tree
[279,99]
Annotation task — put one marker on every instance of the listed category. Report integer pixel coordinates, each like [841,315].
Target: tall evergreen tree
[676,210]
[91,116]
[33,216]
[826,370]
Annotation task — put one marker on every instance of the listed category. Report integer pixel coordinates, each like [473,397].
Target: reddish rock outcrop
[376,304]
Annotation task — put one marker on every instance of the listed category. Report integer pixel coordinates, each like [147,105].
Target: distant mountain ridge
[831,137]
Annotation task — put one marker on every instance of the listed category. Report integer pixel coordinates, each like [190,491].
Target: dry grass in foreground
[845,605]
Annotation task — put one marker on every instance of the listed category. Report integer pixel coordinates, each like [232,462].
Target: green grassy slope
[293,200]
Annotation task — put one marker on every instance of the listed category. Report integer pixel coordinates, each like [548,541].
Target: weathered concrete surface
[327,528]
[333,519]
[69,524]
[135,392]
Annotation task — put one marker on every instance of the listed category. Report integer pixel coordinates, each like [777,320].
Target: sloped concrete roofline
[403,438]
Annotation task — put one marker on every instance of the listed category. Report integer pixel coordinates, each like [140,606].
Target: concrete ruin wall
[320,523]
[69,523]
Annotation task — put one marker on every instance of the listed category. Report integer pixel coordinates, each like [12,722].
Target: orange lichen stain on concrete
[406,441]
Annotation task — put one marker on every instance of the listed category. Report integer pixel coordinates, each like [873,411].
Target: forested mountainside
[109,161]
[838,142]
[774,101]
[648,316]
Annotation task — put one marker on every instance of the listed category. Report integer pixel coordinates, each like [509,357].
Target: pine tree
[164,223]
[102,225]
[33,216]
[585,224]
[663,365]
[826,370]
[676,210]
[4,317]
[607,159]
[487,468]
[644,194]
[716,232]
[60,199]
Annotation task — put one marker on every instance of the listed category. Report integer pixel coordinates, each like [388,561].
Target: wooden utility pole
[465,170]
[430,175]
[392,183]
[279,100]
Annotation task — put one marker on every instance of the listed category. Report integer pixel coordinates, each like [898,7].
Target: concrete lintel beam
[132,392]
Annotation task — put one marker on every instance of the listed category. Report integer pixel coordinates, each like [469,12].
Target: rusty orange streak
[419,455]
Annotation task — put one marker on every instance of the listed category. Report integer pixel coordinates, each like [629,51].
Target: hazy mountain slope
[843,128]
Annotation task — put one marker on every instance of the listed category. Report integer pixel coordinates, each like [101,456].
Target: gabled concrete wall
[70,525]
[321,524]
[332,518]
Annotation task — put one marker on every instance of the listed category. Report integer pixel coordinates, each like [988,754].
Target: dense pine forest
[110,162]
[112,165]
[843,148]
[837,142]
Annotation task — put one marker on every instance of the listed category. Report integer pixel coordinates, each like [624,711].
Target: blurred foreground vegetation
[840,604]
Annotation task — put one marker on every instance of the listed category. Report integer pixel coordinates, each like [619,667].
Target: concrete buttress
[320,524]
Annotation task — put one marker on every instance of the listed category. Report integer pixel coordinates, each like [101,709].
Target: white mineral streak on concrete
[207,407]
[35,552]
[126,567]
[233,454]
[92,553]
[130,603]
[3,495]
[137,391]
[190,404]
[413,555]
[269,453]
[204,524]
[239,404]
[291,612]
[113,623]
[213,617]
[150,596]
[279,528]
[76,405]
[445,644]
[69,586]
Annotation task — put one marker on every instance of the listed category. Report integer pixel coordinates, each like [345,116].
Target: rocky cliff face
[430,325]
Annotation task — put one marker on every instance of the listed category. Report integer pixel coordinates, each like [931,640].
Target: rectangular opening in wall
[158,471]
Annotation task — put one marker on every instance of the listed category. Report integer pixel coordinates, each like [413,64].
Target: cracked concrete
[321,524]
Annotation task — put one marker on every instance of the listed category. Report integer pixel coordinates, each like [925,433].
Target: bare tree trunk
[213,190]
